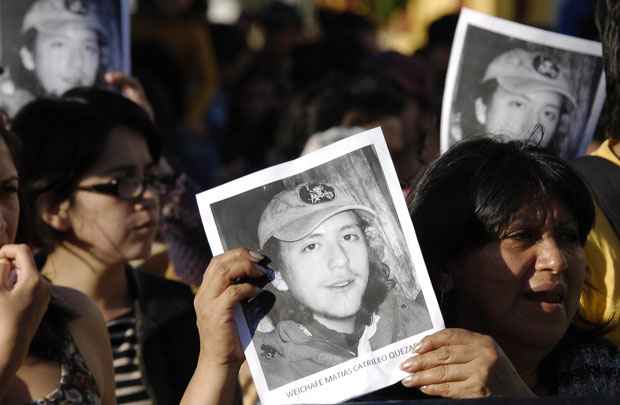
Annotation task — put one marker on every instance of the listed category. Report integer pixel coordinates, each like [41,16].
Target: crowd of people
[108,289]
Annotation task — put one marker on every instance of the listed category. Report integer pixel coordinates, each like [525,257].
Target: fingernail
[257,257]
[416,347]
[406,364]
[408,381]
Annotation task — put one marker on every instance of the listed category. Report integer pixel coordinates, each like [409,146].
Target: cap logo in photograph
[77,6]
[316,193]
[546,67]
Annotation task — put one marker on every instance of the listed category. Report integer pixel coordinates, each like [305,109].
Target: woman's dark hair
[50,337]
[63,138]
[471,194]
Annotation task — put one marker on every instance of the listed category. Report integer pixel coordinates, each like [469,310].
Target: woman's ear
[55,215]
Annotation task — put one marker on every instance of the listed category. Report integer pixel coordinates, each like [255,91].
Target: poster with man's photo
[350,294]
[519,82]
[50,46]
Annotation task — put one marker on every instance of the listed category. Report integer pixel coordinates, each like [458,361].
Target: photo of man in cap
[335,298]
[518,82]
[64,41]
[522,90]
[51,46]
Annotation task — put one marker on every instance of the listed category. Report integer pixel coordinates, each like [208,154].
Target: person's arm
[458,364]
[91,337]
[24,297]
[215,379]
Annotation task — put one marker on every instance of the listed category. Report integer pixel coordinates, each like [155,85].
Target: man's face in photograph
[516,113]
[327,271]
[522,93]
[66,58]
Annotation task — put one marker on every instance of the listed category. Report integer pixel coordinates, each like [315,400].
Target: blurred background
[239,85]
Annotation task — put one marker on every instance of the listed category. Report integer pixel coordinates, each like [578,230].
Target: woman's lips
[550,292]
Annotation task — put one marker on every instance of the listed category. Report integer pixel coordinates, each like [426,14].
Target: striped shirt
[130,388]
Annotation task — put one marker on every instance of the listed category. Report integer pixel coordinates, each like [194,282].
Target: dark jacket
[294,350]
[167,334]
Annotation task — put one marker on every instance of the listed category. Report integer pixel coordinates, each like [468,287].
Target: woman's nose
[149,198]
[550,256]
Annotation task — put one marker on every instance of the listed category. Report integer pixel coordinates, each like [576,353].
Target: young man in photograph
[523,94]
[335,298]
[63,44]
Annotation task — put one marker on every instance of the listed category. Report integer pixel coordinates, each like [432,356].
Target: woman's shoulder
[77,302]
[89,333]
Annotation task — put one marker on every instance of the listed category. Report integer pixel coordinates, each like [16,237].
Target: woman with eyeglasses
[90,176]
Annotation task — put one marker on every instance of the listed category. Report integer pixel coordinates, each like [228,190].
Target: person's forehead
[332,224]
[545,212]
[123,148]
[543,97]
[74,32]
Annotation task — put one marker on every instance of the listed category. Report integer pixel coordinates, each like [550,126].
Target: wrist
[217,365]
[218,361]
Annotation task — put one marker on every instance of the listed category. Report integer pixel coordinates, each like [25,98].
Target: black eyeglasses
[127,188]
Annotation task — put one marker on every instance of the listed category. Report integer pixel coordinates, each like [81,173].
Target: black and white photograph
[347,293]
[519,82]
[50,46]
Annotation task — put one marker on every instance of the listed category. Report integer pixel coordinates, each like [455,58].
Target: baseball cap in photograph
[294,213]
[522,71]
[53,15]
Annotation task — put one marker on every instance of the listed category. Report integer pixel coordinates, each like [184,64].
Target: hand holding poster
[51,46]
[521,82]
[350,293]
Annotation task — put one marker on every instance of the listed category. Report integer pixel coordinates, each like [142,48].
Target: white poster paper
[351,294]
[519,82]
[51,46]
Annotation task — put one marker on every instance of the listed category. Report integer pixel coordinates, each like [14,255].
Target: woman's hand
[131,88]
[215,302]
[457,363]
[221,355]
[24,296]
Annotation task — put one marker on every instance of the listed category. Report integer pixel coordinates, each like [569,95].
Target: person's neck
[526,360]
[343,325]
[105,283]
